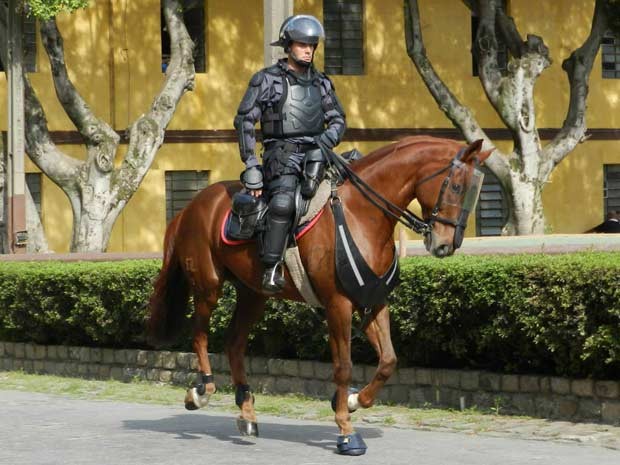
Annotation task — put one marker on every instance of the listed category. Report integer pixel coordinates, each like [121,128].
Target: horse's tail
[168,303]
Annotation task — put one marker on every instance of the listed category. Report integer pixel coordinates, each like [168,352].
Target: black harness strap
[357,279]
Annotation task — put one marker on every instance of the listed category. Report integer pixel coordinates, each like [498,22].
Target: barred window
[492,208]
[194,18]
[181,187]
[611,188]
[29,46]
[344,36]
[502,49]
[611,57]
[33,181]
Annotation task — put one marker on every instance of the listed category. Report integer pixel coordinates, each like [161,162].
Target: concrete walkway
[42,429]
[549,243]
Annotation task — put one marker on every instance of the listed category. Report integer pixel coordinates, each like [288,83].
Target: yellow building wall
[114,58]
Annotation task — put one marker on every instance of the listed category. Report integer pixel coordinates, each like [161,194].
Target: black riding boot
[275,239]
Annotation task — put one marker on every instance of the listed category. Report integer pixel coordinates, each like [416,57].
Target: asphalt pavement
[48,430]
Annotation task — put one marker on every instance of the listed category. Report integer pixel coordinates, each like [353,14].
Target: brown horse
[197,261]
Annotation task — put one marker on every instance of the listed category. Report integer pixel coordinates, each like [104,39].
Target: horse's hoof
[351,444]
[352,402]
[190,406]
[247,428]
[194,400]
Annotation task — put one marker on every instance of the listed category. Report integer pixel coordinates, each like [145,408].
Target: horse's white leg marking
[200,401]
[353,402]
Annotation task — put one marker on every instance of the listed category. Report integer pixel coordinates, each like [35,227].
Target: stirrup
[273,279]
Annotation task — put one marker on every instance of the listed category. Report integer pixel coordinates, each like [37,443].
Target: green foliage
[558,315]
[76,303]
[46,9]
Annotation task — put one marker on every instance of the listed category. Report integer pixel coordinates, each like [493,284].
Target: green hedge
[529,313]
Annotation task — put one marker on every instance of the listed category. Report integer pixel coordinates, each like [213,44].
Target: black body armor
[299,112]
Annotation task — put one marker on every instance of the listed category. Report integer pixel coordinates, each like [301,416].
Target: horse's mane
[376,155]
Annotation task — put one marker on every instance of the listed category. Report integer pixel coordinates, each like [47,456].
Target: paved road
[41,429]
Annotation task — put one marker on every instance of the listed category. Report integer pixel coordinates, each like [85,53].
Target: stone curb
[540,396]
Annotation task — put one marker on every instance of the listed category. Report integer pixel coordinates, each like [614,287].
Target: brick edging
[541,396]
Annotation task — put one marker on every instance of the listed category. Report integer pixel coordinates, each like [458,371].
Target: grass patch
[290,406]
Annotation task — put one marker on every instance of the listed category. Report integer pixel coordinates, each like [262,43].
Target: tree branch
[94,131]
[578,68]
[486,48]
[147,132]
[59,167]
[510,34]
[460,115]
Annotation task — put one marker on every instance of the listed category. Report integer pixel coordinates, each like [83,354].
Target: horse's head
[447,195]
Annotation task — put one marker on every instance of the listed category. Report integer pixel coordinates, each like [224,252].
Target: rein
[403,216]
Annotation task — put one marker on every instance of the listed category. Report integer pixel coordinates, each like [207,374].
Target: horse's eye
[456,188]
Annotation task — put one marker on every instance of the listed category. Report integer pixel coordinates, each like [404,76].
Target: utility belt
[291,146]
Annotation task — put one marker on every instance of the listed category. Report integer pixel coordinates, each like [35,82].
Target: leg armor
[279,218]
[314,170]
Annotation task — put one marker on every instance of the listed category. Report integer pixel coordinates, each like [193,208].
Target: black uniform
[294,112]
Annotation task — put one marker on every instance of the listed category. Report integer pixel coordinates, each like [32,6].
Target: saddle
[247,216]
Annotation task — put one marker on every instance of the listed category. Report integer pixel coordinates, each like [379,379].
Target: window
[181,187]
[344,36]
[611,57]
[502,49]
[194,18]
[29,46]
[492,209]
[33,181]
[611,188]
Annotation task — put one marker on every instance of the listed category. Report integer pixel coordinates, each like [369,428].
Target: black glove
[252,178]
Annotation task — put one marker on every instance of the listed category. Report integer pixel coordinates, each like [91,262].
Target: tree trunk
[37,242]
[523,172]
[97,191]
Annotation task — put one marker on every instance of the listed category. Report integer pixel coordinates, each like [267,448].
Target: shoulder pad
[274,70]
[325,77]
[258,78]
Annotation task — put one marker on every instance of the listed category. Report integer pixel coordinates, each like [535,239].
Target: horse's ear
[482,156]
[473,151]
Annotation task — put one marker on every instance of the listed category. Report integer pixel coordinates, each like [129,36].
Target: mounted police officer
[297,108]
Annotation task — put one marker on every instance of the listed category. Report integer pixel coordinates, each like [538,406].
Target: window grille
[181,187]
[343,21]
[492,208]
[611,57]
[611,188]
[29,46]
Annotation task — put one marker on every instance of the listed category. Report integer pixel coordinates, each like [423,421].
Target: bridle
[406,216]
[461,223]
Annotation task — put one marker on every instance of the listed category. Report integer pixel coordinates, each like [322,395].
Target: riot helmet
[299,28]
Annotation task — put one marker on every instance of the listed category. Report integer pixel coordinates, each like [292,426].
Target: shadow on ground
[223,428]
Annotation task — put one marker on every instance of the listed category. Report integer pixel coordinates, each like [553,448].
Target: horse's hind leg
[198,395]
[378,333]
[249,309]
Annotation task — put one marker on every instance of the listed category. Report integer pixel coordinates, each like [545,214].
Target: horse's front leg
[198,395]
[378,333]
[339,317]
[249,309]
